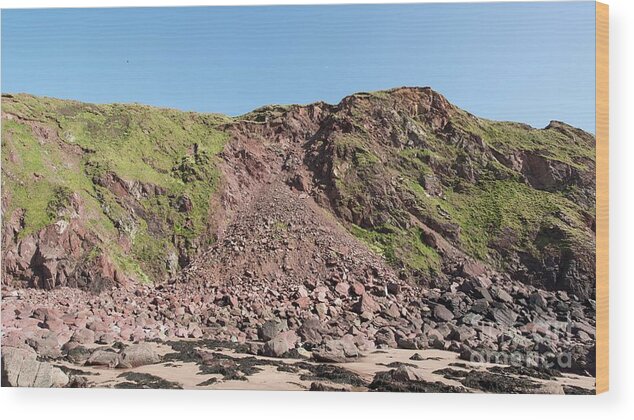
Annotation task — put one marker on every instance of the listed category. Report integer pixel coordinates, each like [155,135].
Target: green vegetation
[142,179]
[404,247]
[445,181]
[550,143]
[139,171]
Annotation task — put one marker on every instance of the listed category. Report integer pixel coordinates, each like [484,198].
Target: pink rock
[54,324]
[83,336]
[358,289]
[366,304]
[126,334]
[303,302]
[342,288]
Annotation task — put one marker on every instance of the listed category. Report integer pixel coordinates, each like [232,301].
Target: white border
[176,405]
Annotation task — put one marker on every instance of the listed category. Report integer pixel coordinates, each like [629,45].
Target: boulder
[408,373]
[366,304]
[106,358]
[311,331]
[138,355]
[271,329]
[441,313]
[538,301]
[46,344]
[504,316]
[385,336]
[20,368]
[337,351]
[83,336]
[280,344]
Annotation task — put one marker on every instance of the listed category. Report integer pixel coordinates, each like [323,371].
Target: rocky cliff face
[95,196]
[392,219]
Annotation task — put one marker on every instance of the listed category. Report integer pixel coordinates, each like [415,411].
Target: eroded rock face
[60,254]
[343,157]
[388,220]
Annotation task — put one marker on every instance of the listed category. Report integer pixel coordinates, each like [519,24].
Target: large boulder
[311,331]
[271,328]
[337,351]
[105,358]
[138,355]
[46,344]
[20,368]
[83,336]
[280,344]
[441,313]
[366,304]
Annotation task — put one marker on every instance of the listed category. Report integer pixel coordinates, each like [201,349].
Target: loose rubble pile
[289,282]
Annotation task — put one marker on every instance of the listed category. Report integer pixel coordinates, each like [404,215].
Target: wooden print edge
[602,197]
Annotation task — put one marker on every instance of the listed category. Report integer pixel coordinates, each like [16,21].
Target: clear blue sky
[529,62]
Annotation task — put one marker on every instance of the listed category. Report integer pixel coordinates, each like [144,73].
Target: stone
[504,316]
[409,343]
[303,302]
[311,331]
[483,293]
[13,358]
[280,344]
[299,353]
[20,368]
[578,327]
[480,306]
[537,300]
[358,289]
[271,329]
[394,288]
[441,313]
[408,373]
[342,288]
[336,351]
[54,324]
[472,269]
[392,311]
[106,338]
[471,318]
[83,336]
[138,355]
[462,333]
[385,336]
[46,345]
[366,304]
[321,310]
[195,331]
[77,354]
[502,295]
[104,358]
[416,357]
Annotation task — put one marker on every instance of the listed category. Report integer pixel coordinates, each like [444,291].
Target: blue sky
[529,62]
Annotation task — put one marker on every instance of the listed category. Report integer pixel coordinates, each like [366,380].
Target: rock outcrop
[392,219]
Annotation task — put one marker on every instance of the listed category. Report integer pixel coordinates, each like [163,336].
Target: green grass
[403,247]
[497,206]
[171,150]
[553,144]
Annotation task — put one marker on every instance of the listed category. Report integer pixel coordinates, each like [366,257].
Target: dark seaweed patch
[330,373]
[500,384]
[386,382]
[145,381]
